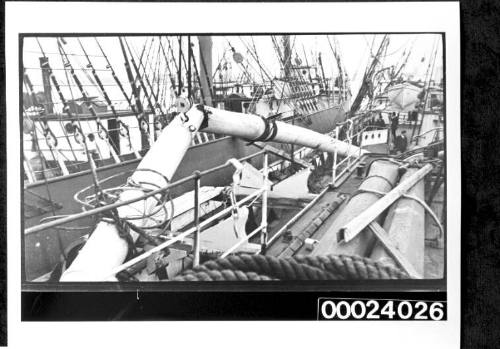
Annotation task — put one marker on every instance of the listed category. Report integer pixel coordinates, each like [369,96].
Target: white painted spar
[169,149]
[105,249]
[249,126]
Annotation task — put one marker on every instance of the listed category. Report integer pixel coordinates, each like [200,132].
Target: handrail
[181,236]
[161,190]
[349,157]
[198,226]
[435,129]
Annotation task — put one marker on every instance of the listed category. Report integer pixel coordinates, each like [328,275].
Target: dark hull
[43,250]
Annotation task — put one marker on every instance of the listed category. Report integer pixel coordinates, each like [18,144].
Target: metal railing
[438,134]
[350,158]
[198,227]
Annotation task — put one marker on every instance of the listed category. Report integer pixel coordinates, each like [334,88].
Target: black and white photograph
[238,159]
[233,158]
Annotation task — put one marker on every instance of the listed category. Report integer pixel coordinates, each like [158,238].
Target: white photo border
[113,17]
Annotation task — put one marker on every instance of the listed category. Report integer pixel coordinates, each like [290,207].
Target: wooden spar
[287,57]
[47,89]
[350,230]
[382,176]
[105,249]
[323,84]
[205,65]
[179,71]
[197,74]
[253,127]
[405,226]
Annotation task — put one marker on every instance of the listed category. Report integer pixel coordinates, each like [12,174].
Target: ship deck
[316,220]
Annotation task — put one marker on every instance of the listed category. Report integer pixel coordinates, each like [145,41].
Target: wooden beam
[355,226]
[391,249]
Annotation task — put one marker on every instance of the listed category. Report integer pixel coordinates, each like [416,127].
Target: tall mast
[206,67]
[179,71]
[287,56]
[370,72]
[47,89]
[141,119]
[323,84]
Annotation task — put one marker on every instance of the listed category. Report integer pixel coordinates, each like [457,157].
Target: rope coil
[259,267]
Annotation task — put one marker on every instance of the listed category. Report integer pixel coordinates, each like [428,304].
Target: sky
[354,50]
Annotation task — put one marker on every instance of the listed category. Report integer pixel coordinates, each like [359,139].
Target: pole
[263,236]
[196,260]
[190,94]
[205,65]
[253,127]
[179,71]
[47,90]
[335,155]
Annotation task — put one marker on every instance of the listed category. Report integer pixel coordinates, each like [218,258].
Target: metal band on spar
[255,128]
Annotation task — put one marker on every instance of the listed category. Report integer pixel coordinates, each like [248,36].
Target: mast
[206,68]
[287,56]
[141,118]
[368,76]
[179,71]
[120,124]
[112,130]
[324,84]
[189,68]
[47,89]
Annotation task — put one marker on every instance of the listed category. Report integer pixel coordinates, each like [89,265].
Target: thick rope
[331,267]
[222,275]
[283,269]
[353,267]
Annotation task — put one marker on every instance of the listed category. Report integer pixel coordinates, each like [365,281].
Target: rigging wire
[121,124]
[141,116]
[84,142]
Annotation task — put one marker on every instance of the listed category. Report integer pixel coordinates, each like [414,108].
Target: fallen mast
[106,249]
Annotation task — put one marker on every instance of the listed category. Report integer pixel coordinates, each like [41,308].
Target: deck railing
[198,226]
[433,135]
[351,157]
